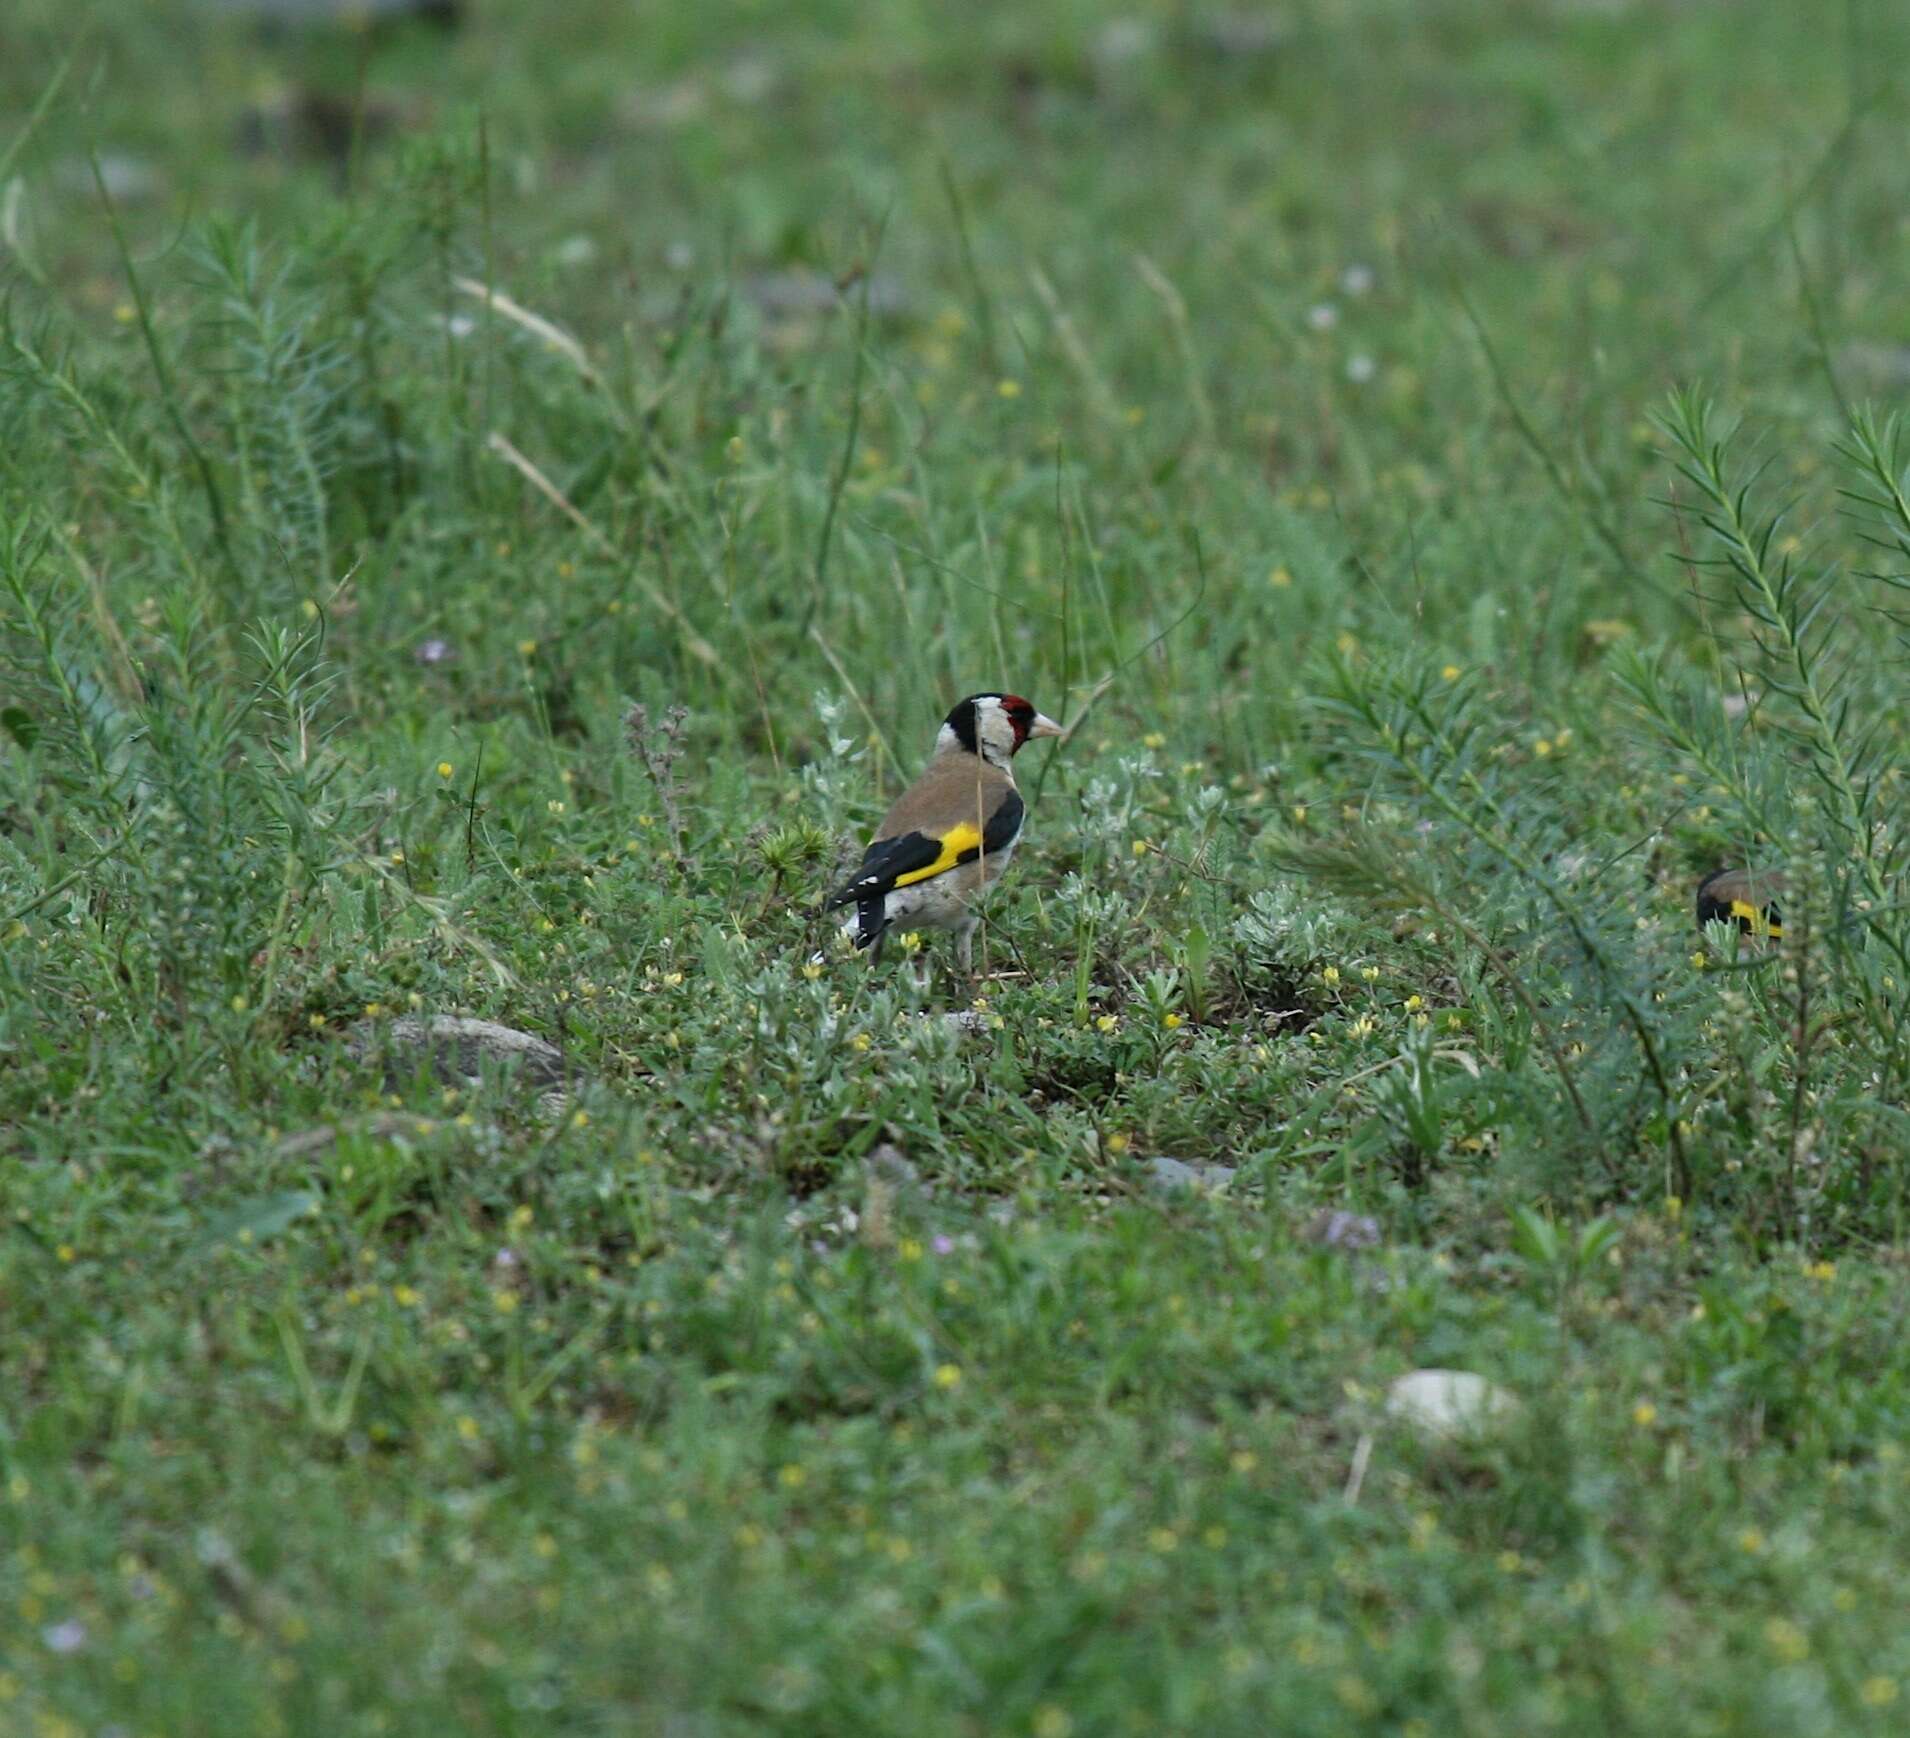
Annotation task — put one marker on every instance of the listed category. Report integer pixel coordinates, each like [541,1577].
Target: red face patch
[1020,714]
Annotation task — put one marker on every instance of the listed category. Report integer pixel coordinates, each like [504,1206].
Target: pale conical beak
[1045,726]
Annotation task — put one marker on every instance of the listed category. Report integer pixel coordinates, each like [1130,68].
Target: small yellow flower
[1116,1144]
[404,1297]
[1215,1538]
[315,1021]
[1786,1640]
[948,1376]
[1878,1692]
[1171,1021]
[240,1004]
[1542,748]
[1008,388]
[1330,977]
[1414,1004]
[1299,814]
[468,1428]
[910,1249]
[1280,578]
[1106,1023]
[1153,739]
[1164,1540]
[811,971]
[911,940]
[66,1252]
[1451,672]
[1644,1414]
[1356,1695]
[1751,1541]
[793,1476]
[1052,1722]
[504,1302]
[1363,1026]
[1697,960]
[860,1042]
[527,648]
[1370,974]
[1141,847]
[1823,1271]
[445,769]
[580,1119]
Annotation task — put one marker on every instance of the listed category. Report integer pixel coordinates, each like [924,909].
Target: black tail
[871,919]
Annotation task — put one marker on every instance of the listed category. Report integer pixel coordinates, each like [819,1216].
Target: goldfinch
[950,833]
[1741,897]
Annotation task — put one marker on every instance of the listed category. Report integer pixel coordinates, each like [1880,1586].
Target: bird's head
[994,726]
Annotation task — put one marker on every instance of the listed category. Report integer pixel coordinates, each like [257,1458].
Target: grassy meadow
[1440,452]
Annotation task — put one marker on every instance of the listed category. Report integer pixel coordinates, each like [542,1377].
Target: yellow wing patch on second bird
[966,837]
[1760,922]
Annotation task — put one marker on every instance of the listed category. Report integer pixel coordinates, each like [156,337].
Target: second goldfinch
[950,833]
[1739,896]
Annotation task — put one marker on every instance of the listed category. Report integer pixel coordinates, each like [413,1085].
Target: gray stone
[1447,1404]
[1244,35]
[1334,1228]
[128,180]
[458,1052]
[885,1163]
[1173,1175]
[1878,364]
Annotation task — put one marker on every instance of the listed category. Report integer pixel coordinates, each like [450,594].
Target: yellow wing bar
[1755,920]
[958,843]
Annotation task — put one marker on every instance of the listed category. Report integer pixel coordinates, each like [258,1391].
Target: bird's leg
[875,949]
[965,948]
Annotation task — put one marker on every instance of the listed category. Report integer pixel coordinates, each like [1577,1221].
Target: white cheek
[997,730]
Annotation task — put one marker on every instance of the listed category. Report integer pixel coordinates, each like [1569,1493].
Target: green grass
[1302,414]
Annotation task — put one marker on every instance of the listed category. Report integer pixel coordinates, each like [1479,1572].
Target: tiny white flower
[66,1637]
[1323,316]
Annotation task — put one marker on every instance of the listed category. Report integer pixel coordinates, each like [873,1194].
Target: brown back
[955,786]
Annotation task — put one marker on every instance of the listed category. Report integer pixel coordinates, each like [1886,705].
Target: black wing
[906,856]
[885,862]
[1004,825]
